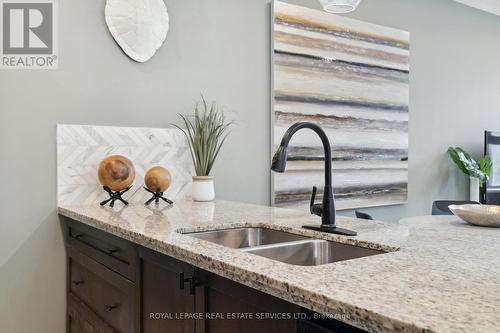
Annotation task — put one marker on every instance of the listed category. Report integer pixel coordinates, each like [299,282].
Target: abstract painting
[351,78]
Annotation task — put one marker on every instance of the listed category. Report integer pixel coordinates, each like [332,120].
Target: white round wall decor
[138,26]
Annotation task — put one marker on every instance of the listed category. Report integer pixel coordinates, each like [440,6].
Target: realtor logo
[29,34]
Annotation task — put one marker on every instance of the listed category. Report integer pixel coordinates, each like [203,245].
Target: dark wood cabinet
[102,293]
[115,286]
[237,308]
[176,297]
[111,296]
[168,301]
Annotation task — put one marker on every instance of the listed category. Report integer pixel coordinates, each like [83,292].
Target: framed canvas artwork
[351,78]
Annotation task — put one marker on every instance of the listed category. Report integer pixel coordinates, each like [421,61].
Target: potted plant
[478,171]
[206,132]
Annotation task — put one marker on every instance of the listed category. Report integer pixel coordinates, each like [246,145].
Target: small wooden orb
[158,179]
[116,172]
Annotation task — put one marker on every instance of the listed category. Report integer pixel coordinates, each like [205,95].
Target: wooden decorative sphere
[116,172]
[158,179]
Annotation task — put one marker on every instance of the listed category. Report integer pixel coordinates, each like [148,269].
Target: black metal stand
[113,196]
[156,198]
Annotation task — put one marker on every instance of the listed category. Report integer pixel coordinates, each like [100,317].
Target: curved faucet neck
[324,139]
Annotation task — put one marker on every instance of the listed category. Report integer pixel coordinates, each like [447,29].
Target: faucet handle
[316,209]
[313,197]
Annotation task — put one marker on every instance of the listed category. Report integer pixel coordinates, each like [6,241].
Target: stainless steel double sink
[285,247]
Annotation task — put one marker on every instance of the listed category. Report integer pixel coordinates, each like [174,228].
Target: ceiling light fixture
[339,6]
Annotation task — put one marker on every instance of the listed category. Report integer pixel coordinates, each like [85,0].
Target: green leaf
[454,154]
[206,133]
[478,169]
[485,165]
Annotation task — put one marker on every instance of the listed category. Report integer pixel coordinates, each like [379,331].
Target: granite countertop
[441,276]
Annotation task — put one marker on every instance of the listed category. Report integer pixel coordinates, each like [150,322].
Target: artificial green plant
[480,169]
[206,131]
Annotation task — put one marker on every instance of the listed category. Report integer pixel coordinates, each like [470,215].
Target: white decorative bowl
[482,215]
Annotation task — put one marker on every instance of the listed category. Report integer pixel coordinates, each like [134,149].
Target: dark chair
[364,216]
[492,148]
[440,207]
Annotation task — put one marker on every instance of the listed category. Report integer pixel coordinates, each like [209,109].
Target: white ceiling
[491,6]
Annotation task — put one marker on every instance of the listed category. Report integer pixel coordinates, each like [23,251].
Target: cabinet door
[166,306]
[243,309]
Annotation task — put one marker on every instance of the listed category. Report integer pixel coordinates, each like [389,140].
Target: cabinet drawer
[82,320]
[109,295]
[115,253]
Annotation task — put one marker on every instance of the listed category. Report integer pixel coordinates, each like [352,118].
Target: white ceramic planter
[474,189]
[203,188]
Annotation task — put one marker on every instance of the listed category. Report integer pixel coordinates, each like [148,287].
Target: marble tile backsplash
[80,148]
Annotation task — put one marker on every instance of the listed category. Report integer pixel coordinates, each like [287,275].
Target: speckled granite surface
[445,277]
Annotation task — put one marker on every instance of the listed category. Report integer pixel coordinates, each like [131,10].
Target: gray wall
[220,48]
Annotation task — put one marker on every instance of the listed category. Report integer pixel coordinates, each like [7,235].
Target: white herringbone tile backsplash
[80,148]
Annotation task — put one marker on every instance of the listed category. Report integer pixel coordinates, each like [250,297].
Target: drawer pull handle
[111,307]
[113,251]
[77,282]
[193,283]
[78,236]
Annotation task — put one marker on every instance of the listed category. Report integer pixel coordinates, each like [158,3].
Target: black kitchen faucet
[327,209]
